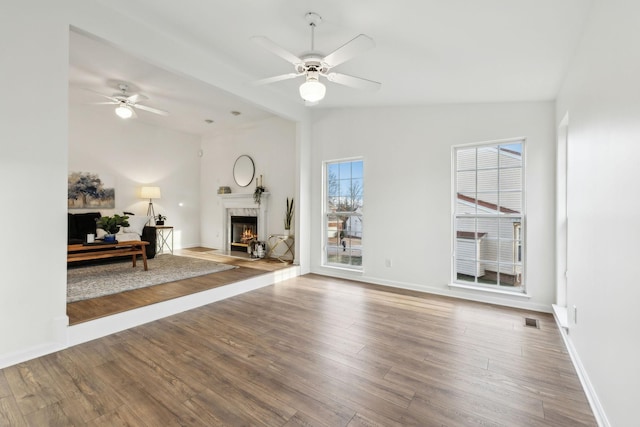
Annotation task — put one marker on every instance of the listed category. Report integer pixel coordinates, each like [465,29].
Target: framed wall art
[89,190]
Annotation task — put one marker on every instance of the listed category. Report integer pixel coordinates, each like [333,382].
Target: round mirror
[243,170]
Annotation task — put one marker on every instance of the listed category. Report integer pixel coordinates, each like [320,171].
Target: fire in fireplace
[244,229]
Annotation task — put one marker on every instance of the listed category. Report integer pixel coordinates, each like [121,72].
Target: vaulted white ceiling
[427,51]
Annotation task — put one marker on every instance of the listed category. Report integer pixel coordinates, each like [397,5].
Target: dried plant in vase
[288,217]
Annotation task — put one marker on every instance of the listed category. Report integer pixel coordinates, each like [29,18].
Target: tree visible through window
[489,213]
[343,213]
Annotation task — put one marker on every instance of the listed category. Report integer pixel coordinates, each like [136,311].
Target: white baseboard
[515,301]
[98,328]
[592,397]
[31,353]
[65,336]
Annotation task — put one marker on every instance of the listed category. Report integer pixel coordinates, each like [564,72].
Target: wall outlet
[388,263]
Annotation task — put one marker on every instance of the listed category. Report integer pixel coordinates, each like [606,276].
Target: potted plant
[288,217]
[160,219]
[111,225]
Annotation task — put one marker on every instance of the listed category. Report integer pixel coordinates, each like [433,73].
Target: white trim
[589,390]
[521,215]
[87,331]
[473,294]
[98,328]
[561,316]
[479,287]
[324,227]
[11,359]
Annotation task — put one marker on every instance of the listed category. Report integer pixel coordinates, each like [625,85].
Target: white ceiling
[427,52]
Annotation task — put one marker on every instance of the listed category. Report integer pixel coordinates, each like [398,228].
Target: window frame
[518,223]
[326,213]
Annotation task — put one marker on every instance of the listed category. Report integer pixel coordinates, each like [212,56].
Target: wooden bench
[131,248]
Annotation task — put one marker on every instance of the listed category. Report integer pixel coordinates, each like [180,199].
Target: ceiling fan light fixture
[312,90]
[124,111]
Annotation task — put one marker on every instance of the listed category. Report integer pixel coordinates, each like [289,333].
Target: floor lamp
[150,193]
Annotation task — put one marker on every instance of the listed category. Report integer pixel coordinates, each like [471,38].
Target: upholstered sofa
[81,224]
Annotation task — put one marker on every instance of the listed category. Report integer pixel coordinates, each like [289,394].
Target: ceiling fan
[127,102]
[313,65]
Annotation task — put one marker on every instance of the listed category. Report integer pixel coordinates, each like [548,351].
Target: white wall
[271,144]
[601,94]
[407,167]
[33,163]
[136,154]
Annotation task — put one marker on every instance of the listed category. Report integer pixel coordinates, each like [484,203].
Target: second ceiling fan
[312,65]
[127,102]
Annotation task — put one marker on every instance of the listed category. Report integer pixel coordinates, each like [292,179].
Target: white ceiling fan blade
[105,103]
[103,95]
[357,45]
[278,50]
[277,78]
[149,109]
[355,82]
[136,97]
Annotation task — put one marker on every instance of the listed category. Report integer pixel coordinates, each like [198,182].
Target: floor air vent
[532,323]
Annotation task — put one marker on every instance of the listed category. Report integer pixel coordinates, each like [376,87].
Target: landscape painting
[90,190]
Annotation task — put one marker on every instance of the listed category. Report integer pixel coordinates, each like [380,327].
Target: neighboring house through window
[489,215]
[344,183]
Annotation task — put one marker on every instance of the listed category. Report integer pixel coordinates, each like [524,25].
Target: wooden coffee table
[130,248]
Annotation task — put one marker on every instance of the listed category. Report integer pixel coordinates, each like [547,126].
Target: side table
[286,242]
[164,238]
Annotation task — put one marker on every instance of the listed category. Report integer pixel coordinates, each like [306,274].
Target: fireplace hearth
[243,230]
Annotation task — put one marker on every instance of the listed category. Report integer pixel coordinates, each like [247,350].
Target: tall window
[489,215]
[343,213]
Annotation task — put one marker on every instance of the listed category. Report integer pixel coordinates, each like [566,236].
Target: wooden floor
[310,351]
[82,311]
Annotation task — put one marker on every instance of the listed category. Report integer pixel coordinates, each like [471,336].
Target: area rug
[93,281]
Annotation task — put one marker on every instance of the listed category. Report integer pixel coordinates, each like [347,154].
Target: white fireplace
[242,204]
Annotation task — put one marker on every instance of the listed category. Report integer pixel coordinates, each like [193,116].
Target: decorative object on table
[257,193]
[111,225]
[288,217]
[150,193]
[160,219]
[244,170]
[224,190]
[90,190]
[256,249]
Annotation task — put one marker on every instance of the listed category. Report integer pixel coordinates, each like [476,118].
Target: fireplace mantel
[238,201]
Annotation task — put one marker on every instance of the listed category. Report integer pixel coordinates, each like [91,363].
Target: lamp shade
[150,193]
[312,90]
[124,111]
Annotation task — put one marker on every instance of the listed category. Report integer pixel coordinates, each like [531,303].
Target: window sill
[489,290]
[345,269]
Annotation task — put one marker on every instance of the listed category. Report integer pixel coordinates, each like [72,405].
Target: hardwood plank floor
[310,351]
[82,311]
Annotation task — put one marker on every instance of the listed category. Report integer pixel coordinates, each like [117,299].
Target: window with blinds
[489,244]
